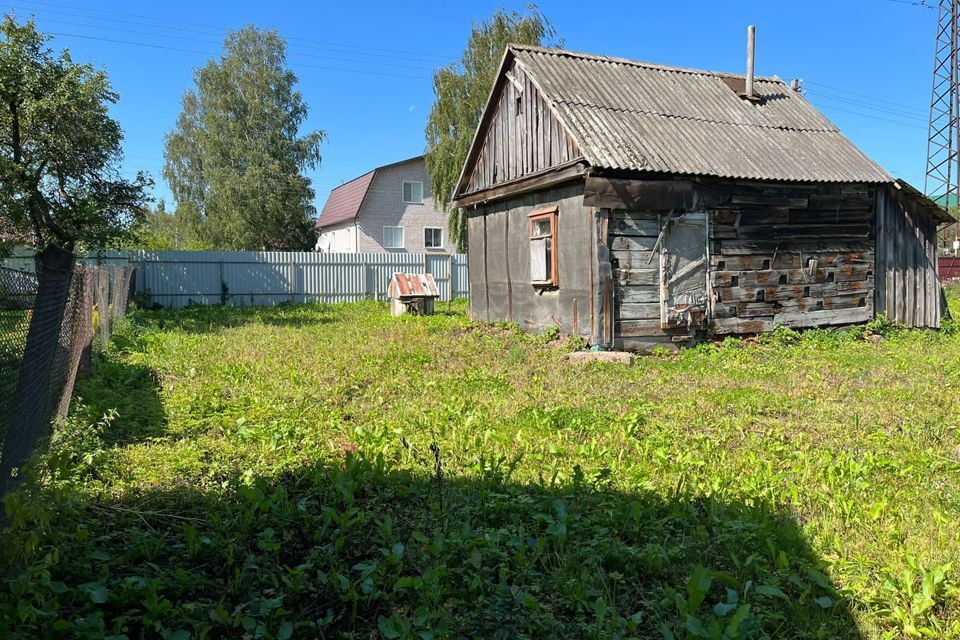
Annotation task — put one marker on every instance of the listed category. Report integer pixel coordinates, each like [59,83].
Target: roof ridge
[596,57]
[352,180]
[375,169]
[693,118]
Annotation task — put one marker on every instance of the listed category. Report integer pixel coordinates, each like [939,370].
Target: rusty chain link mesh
[48,328]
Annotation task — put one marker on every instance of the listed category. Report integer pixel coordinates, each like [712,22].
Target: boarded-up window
[543,247]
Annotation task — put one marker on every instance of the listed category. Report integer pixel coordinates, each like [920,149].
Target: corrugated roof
[406,285]
[344,202]
[629,115]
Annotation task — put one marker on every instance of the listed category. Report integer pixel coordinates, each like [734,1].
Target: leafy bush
[882,326]
[549,335]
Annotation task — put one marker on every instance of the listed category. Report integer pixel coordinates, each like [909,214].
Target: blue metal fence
[265,278]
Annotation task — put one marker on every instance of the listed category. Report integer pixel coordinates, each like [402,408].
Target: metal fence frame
[265,278]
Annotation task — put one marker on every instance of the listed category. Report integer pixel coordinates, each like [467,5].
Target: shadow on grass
[359,549]
[130,390]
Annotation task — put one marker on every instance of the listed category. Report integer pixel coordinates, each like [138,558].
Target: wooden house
[639,205]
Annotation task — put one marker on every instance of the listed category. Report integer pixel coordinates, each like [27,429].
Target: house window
[412,192]
[433,238]
[393,237]
[543,247]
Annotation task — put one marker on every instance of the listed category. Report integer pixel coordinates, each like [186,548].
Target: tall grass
[330,471]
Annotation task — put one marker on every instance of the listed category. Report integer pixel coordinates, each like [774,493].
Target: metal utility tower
[943,143]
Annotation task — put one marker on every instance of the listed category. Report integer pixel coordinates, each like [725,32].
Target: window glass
[433,238]
[413,192]
[541,227]
[543,247]
[393,237]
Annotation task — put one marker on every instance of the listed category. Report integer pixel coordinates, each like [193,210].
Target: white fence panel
[264,278]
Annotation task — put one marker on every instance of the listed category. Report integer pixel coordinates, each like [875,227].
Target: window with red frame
[543,247]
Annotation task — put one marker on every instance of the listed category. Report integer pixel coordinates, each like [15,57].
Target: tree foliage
[59,148]
[235,159]
[163,230]
[461,91]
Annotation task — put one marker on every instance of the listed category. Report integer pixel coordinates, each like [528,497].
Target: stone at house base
[616,357]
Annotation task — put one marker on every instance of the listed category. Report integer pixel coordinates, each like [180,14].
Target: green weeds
[328,471]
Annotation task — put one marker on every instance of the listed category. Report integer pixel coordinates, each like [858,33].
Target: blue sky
[365,68]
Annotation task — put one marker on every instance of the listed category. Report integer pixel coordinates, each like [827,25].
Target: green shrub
[882,326]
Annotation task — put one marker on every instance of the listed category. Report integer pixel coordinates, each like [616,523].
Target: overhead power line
[922,4]
[860,95]
[216,43]
[208,53]
[867,115]
[156,21]
[869,107]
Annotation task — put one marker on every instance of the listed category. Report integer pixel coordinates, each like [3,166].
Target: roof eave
[499,79]
[936,211]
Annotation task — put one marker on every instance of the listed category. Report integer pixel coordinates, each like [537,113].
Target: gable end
[519,136]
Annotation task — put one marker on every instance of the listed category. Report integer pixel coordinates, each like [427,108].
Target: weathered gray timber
[524,137]
[908,289]
[674,209]
[500,264]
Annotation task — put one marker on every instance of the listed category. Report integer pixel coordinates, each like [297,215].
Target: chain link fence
[50,324]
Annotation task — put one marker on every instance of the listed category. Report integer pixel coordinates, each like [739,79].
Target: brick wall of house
[384,206]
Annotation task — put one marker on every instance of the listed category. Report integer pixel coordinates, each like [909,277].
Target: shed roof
[344,201]
[636,116]
[412,285]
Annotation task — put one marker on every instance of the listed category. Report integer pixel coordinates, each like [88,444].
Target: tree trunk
[34,401]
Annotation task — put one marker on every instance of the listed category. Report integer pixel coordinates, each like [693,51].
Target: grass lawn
[14,325]
[330,471]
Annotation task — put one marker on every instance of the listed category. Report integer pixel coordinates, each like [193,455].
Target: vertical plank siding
[908,286]
[523,136]
[636,277]
[500,270]
[263,278]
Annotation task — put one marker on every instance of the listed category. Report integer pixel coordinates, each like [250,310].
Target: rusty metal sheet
[413,285]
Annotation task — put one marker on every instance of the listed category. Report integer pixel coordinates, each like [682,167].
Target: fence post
[223,288]
[54,269]
[450,275]
[293,280]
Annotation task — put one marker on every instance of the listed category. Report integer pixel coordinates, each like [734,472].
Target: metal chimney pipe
[751,41]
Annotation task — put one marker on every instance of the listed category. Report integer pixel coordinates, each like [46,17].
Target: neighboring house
[639,205]
[387,209]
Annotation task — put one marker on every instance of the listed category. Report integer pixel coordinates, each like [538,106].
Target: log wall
[798,256]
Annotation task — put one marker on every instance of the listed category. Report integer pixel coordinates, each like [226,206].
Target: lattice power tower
[943,144]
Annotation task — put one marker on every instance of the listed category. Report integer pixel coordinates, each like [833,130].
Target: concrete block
[616,357]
